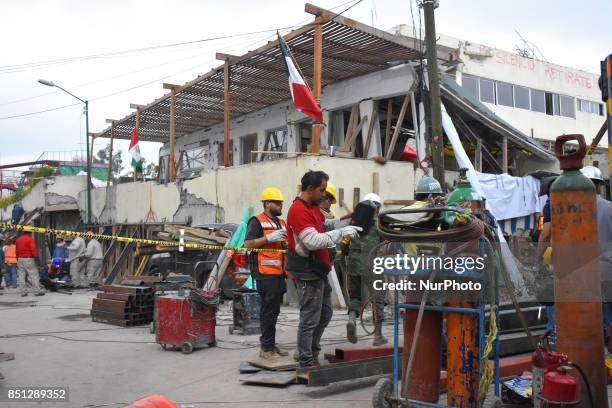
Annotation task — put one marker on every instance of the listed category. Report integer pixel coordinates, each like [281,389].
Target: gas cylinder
[465,196]
[576,270]
[462,350]
[541,364]
[560,390]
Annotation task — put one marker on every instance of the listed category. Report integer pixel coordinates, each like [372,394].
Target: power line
[15,67]
[167,76]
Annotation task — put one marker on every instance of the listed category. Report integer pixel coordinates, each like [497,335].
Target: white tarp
[464,162]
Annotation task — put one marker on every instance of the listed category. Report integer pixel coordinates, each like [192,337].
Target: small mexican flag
[134,151]
[302,97]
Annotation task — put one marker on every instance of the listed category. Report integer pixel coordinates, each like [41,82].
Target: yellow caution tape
[128,240]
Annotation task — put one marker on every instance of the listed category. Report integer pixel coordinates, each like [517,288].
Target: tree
[103,155]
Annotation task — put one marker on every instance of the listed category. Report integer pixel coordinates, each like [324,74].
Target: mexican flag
[302,97]
[134,151]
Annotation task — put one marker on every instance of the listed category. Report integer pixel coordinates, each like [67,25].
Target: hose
[586,383]
[396,232]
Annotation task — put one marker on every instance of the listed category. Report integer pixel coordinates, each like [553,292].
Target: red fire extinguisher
[543,363]
[560,389]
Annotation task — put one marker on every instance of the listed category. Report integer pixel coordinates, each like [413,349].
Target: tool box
[186,319]
[246,307]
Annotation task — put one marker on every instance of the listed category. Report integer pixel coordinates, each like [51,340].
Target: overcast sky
[572,33]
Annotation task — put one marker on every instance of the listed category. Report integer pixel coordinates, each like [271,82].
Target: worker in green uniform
[360,275]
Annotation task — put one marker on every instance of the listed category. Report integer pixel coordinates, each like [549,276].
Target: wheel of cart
[383,394]
[387,392]
[186,348]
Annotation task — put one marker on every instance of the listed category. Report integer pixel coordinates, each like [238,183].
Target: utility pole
[437,139]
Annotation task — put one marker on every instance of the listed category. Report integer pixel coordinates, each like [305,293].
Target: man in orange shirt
[26,264]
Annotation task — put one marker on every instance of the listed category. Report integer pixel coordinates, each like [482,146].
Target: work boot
[266,354]
[351,328]
[40,294]
[379,339]
[280,351]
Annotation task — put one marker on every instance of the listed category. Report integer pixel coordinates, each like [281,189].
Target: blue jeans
[607,317]
[10,275]
[550,316]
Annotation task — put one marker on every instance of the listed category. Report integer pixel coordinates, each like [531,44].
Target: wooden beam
[351,143]
[478,155]
[226,57]
[356,196]
[317,80]
[474,138]
[598,137]
[226,115]
[110,154]
[376,182]
[373,120]
[352,124]
[171,86]
[136,106]
[388,127]
[172,135]
[398,126]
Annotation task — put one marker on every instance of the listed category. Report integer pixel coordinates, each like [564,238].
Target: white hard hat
[375,198]
[592,172]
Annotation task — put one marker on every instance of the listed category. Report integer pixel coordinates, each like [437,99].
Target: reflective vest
[271,263]
[10,254]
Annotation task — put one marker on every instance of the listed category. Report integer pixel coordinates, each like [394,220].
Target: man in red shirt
[308,263]
[26,265]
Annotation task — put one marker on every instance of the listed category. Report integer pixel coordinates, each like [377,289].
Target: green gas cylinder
[465,197]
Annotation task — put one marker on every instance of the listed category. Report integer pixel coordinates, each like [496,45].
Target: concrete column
[365,109]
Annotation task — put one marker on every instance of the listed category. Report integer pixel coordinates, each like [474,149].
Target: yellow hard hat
[547,257]
[331,190]
[272,194]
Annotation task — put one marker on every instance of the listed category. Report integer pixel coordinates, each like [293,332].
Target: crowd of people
[74,264]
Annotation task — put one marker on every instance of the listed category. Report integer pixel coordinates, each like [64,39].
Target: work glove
[276,236]
[345,232]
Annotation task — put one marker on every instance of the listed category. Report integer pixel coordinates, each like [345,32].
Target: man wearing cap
[27,264]
[267,231]
[93,257]
[76,257]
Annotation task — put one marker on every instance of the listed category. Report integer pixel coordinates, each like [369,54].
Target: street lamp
[88,167]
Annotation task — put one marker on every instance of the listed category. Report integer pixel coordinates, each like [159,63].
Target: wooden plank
[276,363]
[246,368]
[356,196]
[351,143]
[388,127]
[349,128]
[172,134]
[317,80]
[398,202]
[226,115]
[373,120]
[478,155]
[110,156]
[277,378]
[398,126]
[376,182]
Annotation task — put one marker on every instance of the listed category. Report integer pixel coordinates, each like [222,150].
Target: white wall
[483,61]
[236,188]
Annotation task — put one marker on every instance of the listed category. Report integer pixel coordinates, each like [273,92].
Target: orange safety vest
[271,263]
[10,254]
